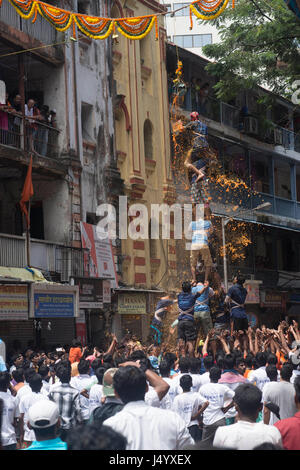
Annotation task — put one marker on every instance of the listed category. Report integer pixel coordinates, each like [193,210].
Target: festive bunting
[136,28]
[94,27]
[208,9]
[100,28]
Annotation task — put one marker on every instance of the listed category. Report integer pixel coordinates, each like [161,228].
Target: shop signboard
[131,303]
[90,292]
[54,301]
[13,302]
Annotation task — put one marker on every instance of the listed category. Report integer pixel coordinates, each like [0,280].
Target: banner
[131,303]
[101,260]
[14,302]
[106,292]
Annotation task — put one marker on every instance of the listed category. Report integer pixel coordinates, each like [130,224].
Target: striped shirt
[67,399]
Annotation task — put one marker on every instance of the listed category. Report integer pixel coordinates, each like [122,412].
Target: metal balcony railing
[40,30]
[28,134]
[50,257]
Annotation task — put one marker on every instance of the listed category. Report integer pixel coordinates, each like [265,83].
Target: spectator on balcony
[4,108]
[43,130]
[31,127]
[16,120]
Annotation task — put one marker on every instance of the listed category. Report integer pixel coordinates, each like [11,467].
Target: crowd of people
[39,120]
[237,389]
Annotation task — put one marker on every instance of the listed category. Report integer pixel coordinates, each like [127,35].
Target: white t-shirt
[25,403]
[23,391]
[81,382]
[197,382]
[150,428]
[173,390]
[296,373]
[45,388]
[96,393]
[216,395]
[259,377]
[10,412]
[244,435]
[187,405]
[205,379]
[282,394]
[151,397]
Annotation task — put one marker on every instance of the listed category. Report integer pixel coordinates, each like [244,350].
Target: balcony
[230,116]
[57,261]
[25,33]
[28,135]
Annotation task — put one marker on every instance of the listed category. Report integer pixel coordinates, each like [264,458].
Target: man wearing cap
[112,404]
[43,419]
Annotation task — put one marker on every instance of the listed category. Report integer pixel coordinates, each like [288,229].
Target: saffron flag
[27,192]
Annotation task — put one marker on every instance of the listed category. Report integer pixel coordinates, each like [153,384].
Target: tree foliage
[259,45]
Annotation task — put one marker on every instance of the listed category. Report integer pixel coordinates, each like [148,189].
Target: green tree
[260,41]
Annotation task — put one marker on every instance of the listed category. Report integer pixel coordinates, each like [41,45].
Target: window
[148,140]
[282,177]
[260,173]
[192,40]
[87,122]
[184,12]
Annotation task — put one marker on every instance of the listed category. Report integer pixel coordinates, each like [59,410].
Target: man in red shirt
[290,428]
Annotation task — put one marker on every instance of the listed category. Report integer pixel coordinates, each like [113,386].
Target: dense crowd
[235,390]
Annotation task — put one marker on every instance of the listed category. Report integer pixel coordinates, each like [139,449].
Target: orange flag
[27,192]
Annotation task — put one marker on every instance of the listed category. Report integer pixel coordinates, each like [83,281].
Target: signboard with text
[131,304]
[54,301]
[13,302]
[273,299]
[90,292]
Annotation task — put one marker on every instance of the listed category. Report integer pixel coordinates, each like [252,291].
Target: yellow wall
[140,76]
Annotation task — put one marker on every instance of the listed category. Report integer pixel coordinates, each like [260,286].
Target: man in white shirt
[259,376]
[82,382]
[165,371]
[208,362]
[145,427]
[195,368]
[247,434]
[220,401]
[10,413]
[27,435]
[282,394]
[96,392]
[190,406]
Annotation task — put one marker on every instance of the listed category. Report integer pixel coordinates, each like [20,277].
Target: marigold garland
[100,28]
[208,9]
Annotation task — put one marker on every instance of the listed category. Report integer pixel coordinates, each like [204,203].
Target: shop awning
[22,274]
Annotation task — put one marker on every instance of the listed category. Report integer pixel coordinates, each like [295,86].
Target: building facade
[142,140]
[72,146]
[179,32]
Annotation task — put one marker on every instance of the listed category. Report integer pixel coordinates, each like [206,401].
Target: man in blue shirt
[44,420]
[236,297]
[202,305]
[187,333]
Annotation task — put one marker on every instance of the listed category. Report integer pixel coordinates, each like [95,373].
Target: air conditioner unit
[278,137]
[251,125]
